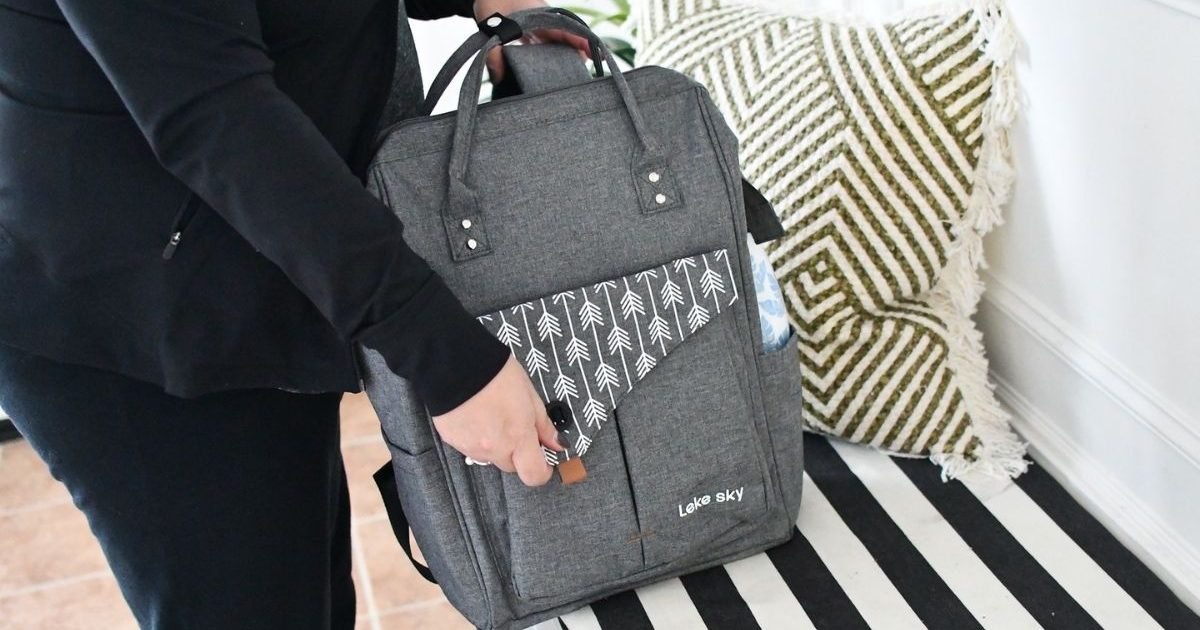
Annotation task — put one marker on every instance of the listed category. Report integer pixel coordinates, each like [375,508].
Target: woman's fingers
[505,466]
[495,65]
[504,423]
[495,59]
[530,464]
[580,44]
[565,37]
[546,432]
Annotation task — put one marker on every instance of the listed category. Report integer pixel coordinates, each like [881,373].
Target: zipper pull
[172,245]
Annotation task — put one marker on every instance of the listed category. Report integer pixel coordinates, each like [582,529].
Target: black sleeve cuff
[434,9]
[438,346]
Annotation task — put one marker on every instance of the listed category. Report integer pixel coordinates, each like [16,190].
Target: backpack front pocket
[560,539]
[651,366]
[694,458]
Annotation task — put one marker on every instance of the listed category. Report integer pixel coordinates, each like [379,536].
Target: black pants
[225,511]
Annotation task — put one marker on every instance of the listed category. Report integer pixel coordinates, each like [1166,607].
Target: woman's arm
[197,79]
[434,9]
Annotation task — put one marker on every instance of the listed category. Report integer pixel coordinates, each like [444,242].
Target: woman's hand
[495,60]
[505,423]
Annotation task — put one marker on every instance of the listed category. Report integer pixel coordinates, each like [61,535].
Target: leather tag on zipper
[572,471]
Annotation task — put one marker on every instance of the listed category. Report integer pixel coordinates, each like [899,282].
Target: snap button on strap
[500,26]
[560,414]
[656,187]
[467,236]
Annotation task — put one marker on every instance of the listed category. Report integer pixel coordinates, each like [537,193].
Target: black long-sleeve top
[181,197]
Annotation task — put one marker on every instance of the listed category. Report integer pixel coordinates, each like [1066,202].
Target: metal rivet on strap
[466,223]
[494,21]
[472,243]
[660,198]
[653,177]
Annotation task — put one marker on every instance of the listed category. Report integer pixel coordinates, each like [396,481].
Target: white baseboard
[1107,437]
[1130,520]
[1101,372]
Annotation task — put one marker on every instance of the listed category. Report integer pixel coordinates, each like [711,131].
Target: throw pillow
[884,148]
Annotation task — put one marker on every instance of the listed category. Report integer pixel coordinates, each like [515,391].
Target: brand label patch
[728,495]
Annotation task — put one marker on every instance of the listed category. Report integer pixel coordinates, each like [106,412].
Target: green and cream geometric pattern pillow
[884,149]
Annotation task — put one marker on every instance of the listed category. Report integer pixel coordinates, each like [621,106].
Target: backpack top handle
[476,41]
[462,206]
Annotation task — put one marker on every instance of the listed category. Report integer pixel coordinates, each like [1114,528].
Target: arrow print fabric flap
[588,346]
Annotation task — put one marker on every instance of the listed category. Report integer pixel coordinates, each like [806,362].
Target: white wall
[1093,306]
[435,40]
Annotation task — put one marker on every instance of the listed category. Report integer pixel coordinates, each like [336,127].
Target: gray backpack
[596,227]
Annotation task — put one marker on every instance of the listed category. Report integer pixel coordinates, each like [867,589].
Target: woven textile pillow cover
[884,148]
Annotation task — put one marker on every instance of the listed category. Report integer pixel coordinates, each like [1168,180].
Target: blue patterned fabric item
[771,314]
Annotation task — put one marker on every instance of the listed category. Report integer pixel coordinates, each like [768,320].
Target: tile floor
[53,576]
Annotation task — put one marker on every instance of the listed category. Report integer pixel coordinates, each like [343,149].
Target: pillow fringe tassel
[1001,453]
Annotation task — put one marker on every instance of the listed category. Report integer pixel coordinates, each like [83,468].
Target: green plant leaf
[586,11]
[596,17]
[621,49]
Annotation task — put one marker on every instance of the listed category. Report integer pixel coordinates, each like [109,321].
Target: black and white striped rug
[883,543]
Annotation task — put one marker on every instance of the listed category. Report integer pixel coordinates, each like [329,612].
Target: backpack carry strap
[545,67]
[651,179]
[476,41]
[761,220]
[541,70]
[385,479]
[533,69]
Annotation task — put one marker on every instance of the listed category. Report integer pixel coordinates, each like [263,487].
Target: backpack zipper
[182,218]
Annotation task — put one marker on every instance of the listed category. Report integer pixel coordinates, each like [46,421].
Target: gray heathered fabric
[782,382]
[404,96]
[546,67]
[560,181]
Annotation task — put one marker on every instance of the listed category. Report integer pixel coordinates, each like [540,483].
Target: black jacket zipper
[182,218]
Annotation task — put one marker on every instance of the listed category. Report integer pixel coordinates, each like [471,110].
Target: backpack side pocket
[419,483]
[784,405]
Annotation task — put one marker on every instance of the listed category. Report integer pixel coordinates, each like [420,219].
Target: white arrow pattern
[578,344]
